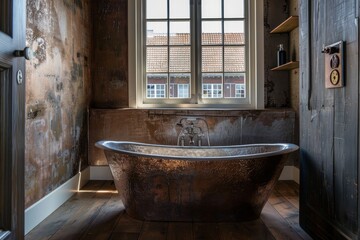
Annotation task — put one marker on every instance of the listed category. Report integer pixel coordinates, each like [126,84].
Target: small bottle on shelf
[281,55]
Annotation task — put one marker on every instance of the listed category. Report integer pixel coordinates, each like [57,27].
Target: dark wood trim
[358,124]
[17,155]
[304,50]
[14,122]
[5,150]
[18,125]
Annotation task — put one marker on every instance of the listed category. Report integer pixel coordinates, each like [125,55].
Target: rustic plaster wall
[160,127]
[57,93]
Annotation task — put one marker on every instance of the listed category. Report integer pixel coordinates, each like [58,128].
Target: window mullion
[223,47]
[168,52]
[198,50]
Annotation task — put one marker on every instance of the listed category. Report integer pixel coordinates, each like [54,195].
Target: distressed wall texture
[57,93]
[110,65]
[160,127]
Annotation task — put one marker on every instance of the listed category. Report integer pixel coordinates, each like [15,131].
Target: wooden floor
[95,213]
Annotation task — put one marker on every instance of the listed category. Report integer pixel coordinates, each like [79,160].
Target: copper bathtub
[173,183]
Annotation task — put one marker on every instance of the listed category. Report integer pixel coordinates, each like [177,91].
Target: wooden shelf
[286,26]
[286,66]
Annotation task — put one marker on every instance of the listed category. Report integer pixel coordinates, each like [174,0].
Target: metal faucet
[191,129]
[191,133]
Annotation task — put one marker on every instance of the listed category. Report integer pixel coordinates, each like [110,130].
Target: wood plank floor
[94,213]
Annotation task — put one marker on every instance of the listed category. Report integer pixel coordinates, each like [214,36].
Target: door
[329,121]
[12,111]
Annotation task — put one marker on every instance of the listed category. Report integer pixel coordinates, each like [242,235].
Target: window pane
[156,9]
[234,59]
[240,91]
[180,59]
[156,91]
[212,59]
[211,9]
[234,32]
[5,16]
[180,33]
[179,9]
[156,85]
[234,86]
[179,85]
[156,59]
[156,33]
[212,85]
[211,32]
[234,9]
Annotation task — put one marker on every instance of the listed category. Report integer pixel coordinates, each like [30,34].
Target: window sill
[197,111]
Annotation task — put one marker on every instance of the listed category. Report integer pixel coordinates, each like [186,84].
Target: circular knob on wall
[334,77]
[27,53]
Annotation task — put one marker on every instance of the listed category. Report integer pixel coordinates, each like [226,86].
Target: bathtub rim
[287,148]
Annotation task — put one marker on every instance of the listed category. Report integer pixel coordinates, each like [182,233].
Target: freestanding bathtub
[173,183]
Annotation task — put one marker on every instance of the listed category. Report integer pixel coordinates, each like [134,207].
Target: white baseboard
[48,204]
[290,173]
[100,173]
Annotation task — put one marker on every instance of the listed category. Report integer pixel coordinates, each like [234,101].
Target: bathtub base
[207,191]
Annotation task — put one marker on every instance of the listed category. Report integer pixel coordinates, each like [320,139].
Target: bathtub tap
[192,129]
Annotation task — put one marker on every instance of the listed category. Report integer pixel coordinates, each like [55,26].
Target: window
[192,53]
[156,91]
[212,91]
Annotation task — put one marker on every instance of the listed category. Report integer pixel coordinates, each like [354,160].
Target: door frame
[14,122]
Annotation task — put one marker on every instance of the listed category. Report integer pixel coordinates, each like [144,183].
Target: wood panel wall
[329,118]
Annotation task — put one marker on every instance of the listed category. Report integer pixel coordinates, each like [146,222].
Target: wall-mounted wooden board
[288,25]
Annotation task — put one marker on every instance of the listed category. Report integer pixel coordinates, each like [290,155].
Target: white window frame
[255,71]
